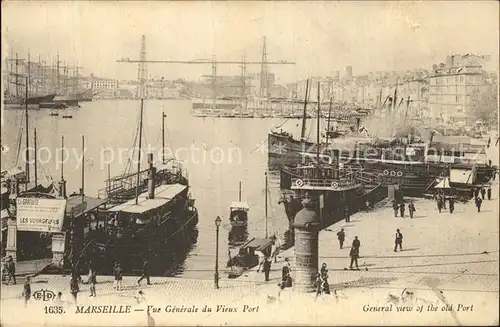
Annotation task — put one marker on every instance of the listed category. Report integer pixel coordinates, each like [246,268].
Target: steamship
[151,223]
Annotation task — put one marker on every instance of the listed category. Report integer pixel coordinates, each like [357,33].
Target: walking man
[452,205]
[74,288]
[483,192]
[439,203]
[347,214]
[395,207]
[145,273]
[354,254]
[341,237]
[92,282]
[11,270]
[267,268]
[356,244]
[489,192]
[478,204]
[26,291]
[398,241]
[262,258]
[118,276]
[402,209]
[411,208]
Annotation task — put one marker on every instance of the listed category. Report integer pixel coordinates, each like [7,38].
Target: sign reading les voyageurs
[40,215]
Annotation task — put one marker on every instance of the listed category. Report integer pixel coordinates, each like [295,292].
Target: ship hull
[32,100]
[174,231]
[414,178]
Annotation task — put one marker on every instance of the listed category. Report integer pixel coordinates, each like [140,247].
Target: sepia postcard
[249,163]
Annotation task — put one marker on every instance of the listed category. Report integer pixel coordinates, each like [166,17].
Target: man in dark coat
[483,192]
[267,268]
[11,270]
[286,278]
[26,291]
[452,205]
[145,273]
[395,207]
[402,209]
[398,241]
[411,209]
[489,193]
[74,288]
[478,204]
[341,237]
[347,214]
[354,254]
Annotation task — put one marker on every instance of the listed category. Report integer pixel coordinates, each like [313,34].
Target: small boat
[247,258]
[67,116]
[54,114]
[238,212]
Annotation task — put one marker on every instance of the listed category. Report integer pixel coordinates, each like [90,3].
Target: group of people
[400,208]
[441,202]
[354,253]
[479,194]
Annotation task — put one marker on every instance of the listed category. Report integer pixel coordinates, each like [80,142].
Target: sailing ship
[14,177]
[13,95]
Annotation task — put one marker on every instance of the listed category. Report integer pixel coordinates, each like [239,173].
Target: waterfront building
[451,86]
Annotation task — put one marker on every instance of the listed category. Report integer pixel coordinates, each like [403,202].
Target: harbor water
[217,153]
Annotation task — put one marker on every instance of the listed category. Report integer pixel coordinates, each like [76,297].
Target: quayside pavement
[446,259]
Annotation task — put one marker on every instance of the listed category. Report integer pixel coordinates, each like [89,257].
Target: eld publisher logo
[44,295]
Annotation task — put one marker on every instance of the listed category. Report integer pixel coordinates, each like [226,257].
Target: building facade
[451,86]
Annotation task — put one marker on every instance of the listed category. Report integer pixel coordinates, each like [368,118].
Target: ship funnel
[151,177]
[62,189]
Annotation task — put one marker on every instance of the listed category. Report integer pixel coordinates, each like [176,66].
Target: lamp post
[216,277]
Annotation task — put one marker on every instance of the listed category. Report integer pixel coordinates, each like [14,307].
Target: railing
[324,182]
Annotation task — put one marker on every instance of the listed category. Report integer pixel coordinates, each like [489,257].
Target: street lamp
[217,225]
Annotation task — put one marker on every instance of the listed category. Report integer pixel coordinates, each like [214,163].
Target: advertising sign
[40,215]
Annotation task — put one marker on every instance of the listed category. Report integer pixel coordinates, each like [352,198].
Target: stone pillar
[11,246]
[306,227]
[58,243]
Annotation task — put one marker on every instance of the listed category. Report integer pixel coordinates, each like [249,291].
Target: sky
[321,37]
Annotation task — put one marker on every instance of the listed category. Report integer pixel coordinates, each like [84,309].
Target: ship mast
[328,122]
[239,193]
[142,93]
[266,188]
[303,131]
[36,159]
[27,134]
[139,155]
[317,124]
[163,116]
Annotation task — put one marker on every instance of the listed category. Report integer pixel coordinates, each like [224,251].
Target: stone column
[11,246]
[58,243]
[306,227]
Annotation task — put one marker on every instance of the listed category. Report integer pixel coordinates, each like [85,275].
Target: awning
[444,183]
[79,205]
[239,205]
[163,194]
[258,244]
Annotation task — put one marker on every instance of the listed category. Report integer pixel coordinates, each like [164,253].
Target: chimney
[62,189]
[151,177]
